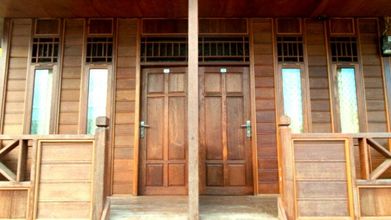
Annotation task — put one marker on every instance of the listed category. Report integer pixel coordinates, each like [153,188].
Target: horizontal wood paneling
[321,193]
[64,180]
[71,76]
[318,76]
[373,76]
[375,201]
[124,104]
[265,105]
[17,74]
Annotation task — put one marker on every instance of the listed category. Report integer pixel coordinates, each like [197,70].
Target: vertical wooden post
[99,195]
[364,158]
[287,169]
[192,108]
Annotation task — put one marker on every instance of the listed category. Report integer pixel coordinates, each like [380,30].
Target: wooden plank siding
[123,155]
[122,152]
[265,105]
[17,72]
[71,76]
[318,76]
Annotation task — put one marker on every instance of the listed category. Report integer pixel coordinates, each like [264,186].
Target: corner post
[287,169]
[193,114]
[99,195]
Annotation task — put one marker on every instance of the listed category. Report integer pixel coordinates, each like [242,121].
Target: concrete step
[211,208]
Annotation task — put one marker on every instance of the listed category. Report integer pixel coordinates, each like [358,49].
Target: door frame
[253,142]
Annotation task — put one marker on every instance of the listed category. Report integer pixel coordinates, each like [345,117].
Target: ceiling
[207,8]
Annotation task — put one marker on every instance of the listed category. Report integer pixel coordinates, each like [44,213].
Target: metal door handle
[143,126]
[247,126]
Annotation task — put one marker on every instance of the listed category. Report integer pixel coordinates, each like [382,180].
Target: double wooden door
[225,149]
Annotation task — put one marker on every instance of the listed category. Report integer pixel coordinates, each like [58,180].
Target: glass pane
[347,95]
[97,96]
[42,98]
[293,101]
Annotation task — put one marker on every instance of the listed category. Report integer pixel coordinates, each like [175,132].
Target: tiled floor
[211,208]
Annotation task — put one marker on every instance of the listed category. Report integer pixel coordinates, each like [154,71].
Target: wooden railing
[53,176]
[334,176]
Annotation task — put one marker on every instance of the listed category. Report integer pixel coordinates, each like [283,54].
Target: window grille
[99,49]
[344,49]
[211,49]
[290,49]
[45,50]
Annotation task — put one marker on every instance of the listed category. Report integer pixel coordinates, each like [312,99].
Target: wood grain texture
[17,74]
[71,76]
[265,105]
[123,149]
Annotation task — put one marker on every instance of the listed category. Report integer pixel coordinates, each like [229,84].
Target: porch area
[175,207]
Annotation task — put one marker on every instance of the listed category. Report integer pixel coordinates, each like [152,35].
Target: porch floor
[211,207]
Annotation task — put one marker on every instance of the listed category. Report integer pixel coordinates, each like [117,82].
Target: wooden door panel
[163,152]
[213,129]
[177,128]
[155,136]
[225,151]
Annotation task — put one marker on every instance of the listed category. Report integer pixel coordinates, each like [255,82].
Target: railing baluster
[364,158]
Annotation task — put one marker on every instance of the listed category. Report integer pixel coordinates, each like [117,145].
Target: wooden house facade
[193,97]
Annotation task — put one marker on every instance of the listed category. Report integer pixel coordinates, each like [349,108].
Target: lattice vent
[45,50]
[290,49]
[99,49]
[344,49]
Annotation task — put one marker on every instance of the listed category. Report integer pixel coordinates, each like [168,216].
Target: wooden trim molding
[136,140]
[253,108]
[4,61]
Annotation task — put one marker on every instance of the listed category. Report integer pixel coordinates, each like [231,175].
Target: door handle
[247,126]
[143,126]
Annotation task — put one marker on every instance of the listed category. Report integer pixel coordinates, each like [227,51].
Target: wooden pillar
[286,169]
[99,194]
[192,107]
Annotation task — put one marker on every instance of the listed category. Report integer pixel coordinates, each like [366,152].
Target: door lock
[143,126]
[247,126]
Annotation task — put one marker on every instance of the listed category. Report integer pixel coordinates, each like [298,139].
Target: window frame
[304,91]
[83,117]
[54,107]
[360,94]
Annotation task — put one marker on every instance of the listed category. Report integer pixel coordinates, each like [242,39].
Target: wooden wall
[16,76]
[318,76]
[265,105]
[71,76]
[121,153]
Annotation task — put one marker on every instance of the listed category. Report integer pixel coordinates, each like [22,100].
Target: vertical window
[347,100]
[42,100]
[293,98]
[97,97]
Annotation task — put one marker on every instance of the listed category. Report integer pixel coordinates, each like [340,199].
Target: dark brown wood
[226,154]
[163,153]
[178,9]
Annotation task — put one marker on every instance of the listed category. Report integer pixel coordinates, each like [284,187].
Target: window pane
[347,95]
[293,101]
[42,98]
[97,96]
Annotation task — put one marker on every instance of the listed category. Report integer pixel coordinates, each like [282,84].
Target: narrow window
[97,97]
[42,99]
[347,98]
[293,98]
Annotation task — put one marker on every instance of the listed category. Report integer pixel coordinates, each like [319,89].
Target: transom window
[344,49]
[45,50]
[211,49]
[290,49]
[99,50]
